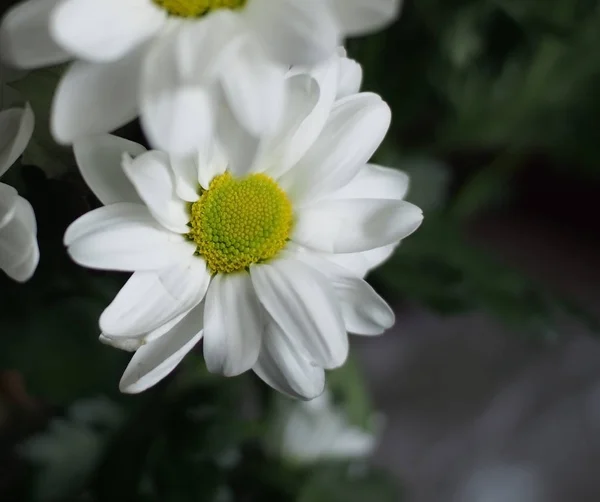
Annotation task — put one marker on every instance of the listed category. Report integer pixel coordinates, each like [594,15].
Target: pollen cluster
[238,222]
[197,8]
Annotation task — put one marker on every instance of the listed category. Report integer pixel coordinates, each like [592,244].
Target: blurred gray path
[474,415]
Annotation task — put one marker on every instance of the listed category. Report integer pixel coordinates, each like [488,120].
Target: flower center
[238,222]
[197,8]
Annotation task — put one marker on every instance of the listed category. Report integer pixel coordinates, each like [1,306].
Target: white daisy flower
[266,265]
[308,432]
[174,60]
[19,253]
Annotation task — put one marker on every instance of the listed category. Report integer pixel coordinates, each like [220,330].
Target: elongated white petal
[355,225]
[155,360]
[233,325]
[104,31]
[309,101]
[285,365]
[363,16]
[96,98]
[16,128]
[363,310]
[124,237]
[294,32]
[354,130]
[350,78]
[303,303]
[375,182]
[211,163]
[99,159]
[361,263]
[178,91]
[25,40]
[150,299]
[19,253]
[185,170]
[153,178]
[254,87]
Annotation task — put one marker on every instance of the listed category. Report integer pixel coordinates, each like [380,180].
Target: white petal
[309,101]
[254,87]
[150,299]
[303,303]
[294,32]
[354,225]
[361,263]
[16,128]
[350,79]
[25,39]
[124,237]
[104,31]
[233,325]
[19,253]
[375,182]
[363,16]
[185,169]
[286,366]
[153,178]
[363,310]
[127,344]
[178,91]
[155,360]
[95,98]
[210,164]
[99,159]
[354,130]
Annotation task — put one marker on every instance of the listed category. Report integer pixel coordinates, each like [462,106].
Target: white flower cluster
[254,218]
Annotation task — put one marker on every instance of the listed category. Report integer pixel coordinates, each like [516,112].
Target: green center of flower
[197,8]
[238,222]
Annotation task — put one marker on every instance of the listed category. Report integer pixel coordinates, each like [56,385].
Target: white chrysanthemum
[173,60]
[307,432]
[19,254]
[266,265]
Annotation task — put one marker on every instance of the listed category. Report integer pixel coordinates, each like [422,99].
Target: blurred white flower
[265,261]
[309,431]
[174,61]
[19,253]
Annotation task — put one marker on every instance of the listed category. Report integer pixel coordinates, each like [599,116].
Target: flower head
[176,62]
[264,262]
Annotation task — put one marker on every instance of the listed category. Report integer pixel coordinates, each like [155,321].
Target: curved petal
[303,304]
[150,299]
[153,178]
[355,225]
[104,31]
[96,98]
[19,253]
[185,170]
[287,367]
[16,128]
[375,182]
[358,17]
[254,87]
[355,129]
[25,40]
[362,263]
[233,325]
[350,79]
[294,32]
[155,360]
[363,310]
[99,159]
[126,344]
[124,237]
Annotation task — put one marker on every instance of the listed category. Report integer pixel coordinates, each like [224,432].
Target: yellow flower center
[197,8]
[238,222]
